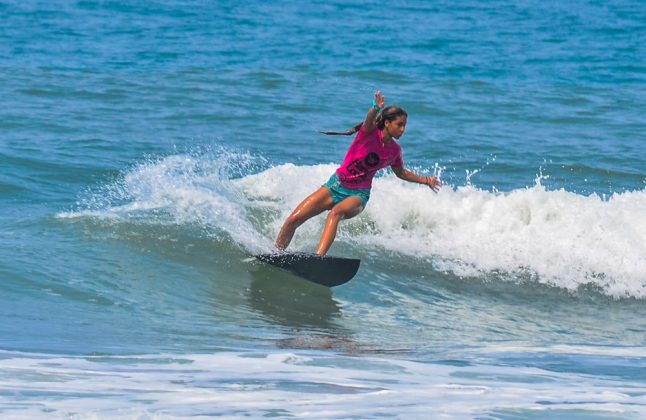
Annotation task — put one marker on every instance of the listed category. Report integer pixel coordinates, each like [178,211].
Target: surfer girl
[347,191]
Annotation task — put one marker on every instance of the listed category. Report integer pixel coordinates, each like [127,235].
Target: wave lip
[555,237]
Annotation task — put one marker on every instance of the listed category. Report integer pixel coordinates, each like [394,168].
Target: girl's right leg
[314,204]
[346,209]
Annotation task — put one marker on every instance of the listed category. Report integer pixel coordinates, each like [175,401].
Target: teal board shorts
[340,193]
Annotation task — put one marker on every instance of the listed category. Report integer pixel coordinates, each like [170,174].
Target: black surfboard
[322,269]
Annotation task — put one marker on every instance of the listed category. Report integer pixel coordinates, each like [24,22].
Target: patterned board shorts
[340,193]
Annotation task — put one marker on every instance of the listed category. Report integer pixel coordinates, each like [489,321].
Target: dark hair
[389,113]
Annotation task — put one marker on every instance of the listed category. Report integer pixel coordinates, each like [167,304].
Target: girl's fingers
[434,184]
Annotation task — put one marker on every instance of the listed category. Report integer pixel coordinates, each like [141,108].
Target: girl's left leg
[346,209]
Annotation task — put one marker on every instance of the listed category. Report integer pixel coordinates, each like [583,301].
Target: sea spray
[194,188]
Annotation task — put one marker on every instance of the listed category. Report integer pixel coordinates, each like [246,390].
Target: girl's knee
[295,220]
[345,212]
[339,213]
[291,221]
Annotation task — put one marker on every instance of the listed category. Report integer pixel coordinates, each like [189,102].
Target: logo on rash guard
[357,171]
[372,159]
[356,168]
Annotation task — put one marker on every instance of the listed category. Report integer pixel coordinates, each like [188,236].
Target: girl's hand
[380,100]
[433,183]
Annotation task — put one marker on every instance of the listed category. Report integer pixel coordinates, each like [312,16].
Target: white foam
[571,349]
[565,239]
[312,385]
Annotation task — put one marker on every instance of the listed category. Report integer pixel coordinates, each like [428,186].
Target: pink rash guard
[366,155]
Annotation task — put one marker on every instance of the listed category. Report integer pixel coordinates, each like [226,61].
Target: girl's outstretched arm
[432,182]
[369,122]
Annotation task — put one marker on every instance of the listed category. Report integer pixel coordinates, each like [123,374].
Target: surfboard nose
[325,270]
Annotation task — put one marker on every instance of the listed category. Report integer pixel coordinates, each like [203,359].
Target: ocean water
[147,149]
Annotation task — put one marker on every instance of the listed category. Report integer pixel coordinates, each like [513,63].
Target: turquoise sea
[147,149]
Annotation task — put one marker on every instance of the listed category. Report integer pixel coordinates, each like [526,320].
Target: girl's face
[396,127]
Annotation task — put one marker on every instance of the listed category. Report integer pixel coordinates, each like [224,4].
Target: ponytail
[389,113]
[343,133]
